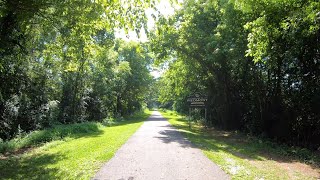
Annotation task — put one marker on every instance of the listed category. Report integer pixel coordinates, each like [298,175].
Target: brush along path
[159,151]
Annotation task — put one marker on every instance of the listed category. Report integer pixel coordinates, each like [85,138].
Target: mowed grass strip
[244,157]
[78,157]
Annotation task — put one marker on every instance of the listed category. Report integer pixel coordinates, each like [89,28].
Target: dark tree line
[259,62]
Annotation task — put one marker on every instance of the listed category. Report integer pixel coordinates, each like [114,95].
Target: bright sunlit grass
[74,157]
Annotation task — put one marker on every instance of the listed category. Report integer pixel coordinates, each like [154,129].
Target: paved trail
[159,151]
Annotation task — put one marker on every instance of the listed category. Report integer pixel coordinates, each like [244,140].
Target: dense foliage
[60,62]
[258,61]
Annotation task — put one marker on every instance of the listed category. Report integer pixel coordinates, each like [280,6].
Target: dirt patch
[230,136]
[295,168]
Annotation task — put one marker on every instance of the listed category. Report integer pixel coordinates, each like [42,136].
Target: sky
[166,9]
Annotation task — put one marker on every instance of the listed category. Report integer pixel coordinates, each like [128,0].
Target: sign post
[197,100]
[189,118]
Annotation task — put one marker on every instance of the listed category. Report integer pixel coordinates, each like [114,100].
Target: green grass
[76,156]
[244,157]
[58,132]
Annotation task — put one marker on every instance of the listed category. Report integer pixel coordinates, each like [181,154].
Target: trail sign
[197,100]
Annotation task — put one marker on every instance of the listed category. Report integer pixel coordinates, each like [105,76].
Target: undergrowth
[58,132]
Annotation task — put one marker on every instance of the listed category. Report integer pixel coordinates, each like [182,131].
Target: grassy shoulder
[244,157]
[75,156]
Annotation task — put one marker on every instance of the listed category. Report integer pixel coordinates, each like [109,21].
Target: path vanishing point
[158,151]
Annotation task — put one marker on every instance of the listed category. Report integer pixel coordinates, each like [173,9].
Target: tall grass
[60,132]
[57,132]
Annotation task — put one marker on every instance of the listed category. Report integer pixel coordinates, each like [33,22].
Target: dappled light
[173,135]
[237,80]
[264,158]
[156,116]
[32,167]
[158,149]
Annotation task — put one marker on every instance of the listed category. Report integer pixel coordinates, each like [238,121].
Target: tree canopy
[258,62]
[60,62]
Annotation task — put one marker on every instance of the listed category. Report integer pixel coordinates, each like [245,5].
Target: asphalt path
[158,151]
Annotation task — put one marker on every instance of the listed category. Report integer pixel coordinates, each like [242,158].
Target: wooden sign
[197,100]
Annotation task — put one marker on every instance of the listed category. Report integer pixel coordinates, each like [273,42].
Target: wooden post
[189,119]
[205,116]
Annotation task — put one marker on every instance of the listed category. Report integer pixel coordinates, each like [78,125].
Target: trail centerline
[158,151]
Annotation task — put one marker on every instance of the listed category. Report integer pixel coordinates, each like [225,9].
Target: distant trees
[259,62]
[60,62]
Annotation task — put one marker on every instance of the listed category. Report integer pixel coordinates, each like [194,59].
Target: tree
[50,51]
[260,70]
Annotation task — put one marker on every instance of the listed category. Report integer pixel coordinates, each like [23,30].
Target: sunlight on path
[159,151]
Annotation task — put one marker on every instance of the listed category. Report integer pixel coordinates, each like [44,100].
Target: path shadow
[170,136]
[156,117]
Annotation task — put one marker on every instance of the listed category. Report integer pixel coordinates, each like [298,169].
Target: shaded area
[31,167]
[24,164]
[172,135]
[245,147]
[156,117]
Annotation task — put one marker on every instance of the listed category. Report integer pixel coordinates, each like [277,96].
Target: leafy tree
[260,69]
[52,54]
